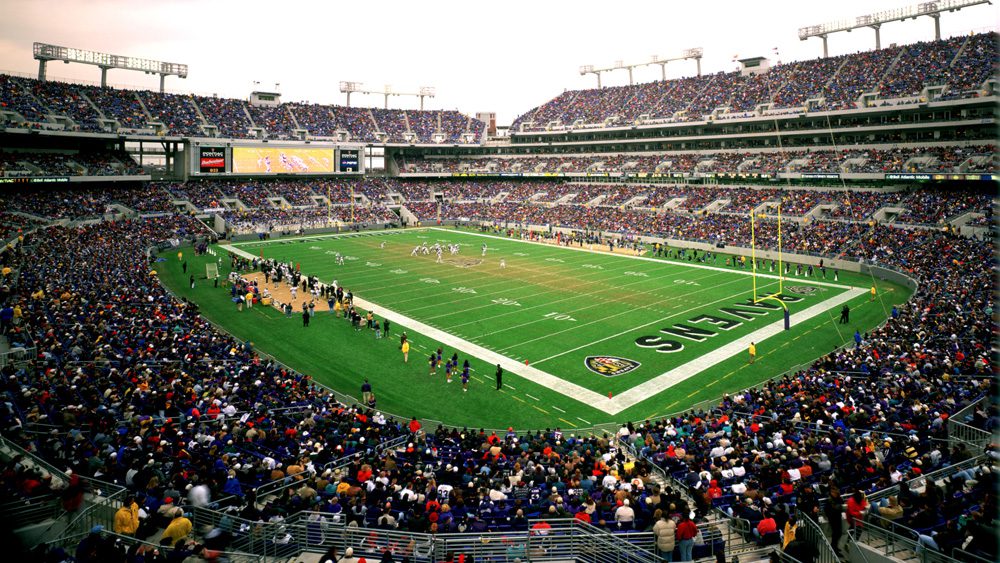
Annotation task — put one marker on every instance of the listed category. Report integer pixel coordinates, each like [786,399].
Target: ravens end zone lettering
[747,311]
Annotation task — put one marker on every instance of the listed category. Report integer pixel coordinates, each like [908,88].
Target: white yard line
[573,295]
[634,328]
[599,303]
[456,277]
[479,274]
[324,236]
[648,259]
[507,282]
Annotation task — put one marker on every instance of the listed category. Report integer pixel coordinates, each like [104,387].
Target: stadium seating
[911,159]
[208,421]
[961,63]
[232,118]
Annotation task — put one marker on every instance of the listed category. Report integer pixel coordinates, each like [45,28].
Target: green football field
[584,337]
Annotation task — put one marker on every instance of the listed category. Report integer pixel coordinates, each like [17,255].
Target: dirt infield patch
[282,293]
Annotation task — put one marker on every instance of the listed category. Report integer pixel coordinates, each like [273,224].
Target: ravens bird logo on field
[610,366]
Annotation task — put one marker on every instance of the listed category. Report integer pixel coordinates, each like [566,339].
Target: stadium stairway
[43,518]
[737,545]
[872,545]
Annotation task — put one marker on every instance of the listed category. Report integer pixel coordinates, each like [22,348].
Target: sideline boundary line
[648,259]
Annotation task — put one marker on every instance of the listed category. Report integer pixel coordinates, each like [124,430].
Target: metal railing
[810,531]
[898,539]
[932,476]
[959,430]
[32,510]
[96,486]
[69,542]
[279,485]
[32,460]
[15,355]
[101,511]
[557,540]
[738,536]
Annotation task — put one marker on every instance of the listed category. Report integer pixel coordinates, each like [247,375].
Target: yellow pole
[753,252]
[781,277]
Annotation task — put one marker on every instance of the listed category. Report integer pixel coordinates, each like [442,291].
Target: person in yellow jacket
[406,351]
[753,352]
[178,528]
[127,517]
[790,526]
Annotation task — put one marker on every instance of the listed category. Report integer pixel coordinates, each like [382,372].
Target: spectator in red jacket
[856,507]
[767,525]
[686,531]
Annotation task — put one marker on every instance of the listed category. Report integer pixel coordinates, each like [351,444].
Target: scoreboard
[274,159]
[349,161]
[211,160]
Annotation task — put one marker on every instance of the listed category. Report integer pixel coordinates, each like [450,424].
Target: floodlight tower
[44,52]
[426,91]
[932,10]
[348,88]
[695,53]
[386,91]
[589,69]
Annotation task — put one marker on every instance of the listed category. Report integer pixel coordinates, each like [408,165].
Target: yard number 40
[558,317]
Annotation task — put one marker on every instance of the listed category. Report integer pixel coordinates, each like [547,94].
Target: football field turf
[584,337]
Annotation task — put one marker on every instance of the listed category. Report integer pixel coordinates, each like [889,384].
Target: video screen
[349,160]
[212,160]
[281,160]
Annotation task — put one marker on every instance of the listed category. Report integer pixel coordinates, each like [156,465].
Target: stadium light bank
[694,53]
[44,52]
[357,87]
[875,21]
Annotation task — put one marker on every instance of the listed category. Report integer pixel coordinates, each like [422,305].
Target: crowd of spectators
[66,99]
[229,115]
[920,64]
[975,64]
[297,219]
[176,112]
[934,205]
[121,105]
[962,62]
[315,118]
[203,195]
[275,120]
[13,225]
[15,95]
[950,159]
[91,163]
[423,124]
[357,121]
[91,200]
[393,123]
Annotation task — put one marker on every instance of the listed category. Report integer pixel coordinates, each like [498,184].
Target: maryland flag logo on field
[610,366]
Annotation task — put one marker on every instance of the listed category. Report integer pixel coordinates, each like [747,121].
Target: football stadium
[733,309]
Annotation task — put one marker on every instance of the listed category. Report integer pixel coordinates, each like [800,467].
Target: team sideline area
[741,315]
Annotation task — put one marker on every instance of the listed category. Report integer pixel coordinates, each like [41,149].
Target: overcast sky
[507,56]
